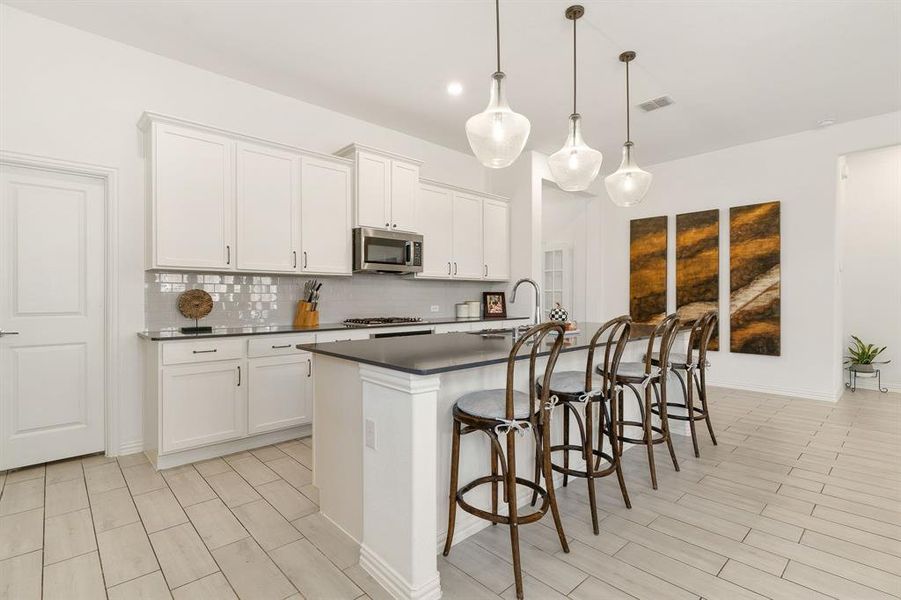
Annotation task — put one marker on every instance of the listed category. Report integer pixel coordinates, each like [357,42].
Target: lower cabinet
[203,403]
[280,392]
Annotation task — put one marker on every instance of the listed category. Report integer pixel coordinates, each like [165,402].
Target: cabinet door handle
[309,367]
[448,268]
[228,255]
[486,271]
[394,226]
[387,224]
[455,268]
[2,333]
[305,259]
[279,347]
[294,254]
[239,376]
[203,351]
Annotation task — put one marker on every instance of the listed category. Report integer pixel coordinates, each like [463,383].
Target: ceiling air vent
[655,103]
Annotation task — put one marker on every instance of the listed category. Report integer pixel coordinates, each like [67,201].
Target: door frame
[109,176]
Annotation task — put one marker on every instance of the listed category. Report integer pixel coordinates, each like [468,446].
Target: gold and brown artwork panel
[755,279]
[698,266]
[647,269]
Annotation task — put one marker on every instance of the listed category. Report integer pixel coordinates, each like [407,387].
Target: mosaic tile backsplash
[240,299]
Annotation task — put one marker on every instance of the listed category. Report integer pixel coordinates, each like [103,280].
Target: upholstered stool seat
[492,404]
[630,372]
[571,383]
[677,360]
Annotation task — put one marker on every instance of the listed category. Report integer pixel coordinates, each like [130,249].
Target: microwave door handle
[408,253]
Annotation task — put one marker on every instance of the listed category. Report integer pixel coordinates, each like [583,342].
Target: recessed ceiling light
[455,88]
[825,122]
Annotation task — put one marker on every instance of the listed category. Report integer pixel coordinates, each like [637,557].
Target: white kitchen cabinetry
[386,188]
[326,217]
[281,389]
[436,214]
[496,239]
[221,201]
[203,403]
[268,204]
[192,183]
[466,233]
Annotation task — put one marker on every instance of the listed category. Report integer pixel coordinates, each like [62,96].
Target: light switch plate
[370,434]
[435,308]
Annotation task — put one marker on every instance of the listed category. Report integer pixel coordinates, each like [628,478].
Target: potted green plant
[862,356]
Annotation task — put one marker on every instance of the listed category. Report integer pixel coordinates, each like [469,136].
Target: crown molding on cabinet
[357,147]
[464,190]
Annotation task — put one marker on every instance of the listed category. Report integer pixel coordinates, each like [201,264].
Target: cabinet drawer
[175,353]
[343,335]
[268,345]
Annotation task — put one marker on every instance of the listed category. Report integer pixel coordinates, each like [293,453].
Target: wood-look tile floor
[800,500]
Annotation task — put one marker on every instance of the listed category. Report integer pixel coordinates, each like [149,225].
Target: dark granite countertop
[219,332]
[428,355]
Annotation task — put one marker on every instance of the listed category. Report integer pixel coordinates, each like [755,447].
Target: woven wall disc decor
[195,304]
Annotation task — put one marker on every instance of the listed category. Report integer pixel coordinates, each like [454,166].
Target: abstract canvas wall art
[755,279]
[647,269]
[698,266]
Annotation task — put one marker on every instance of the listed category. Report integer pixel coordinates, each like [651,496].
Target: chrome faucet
[537,296]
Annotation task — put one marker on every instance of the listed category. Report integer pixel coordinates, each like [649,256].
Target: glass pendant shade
[629,184]
[497,135]
[575,165]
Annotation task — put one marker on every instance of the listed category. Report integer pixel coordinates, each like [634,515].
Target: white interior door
[51,294]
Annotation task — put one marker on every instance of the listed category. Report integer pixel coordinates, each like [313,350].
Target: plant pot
[867,370]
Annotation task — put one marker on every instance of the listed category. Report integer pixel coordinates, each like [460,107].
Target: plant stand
[853,370]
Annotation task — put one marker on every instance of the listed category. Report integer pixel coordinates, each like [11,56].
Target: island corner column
[400,525]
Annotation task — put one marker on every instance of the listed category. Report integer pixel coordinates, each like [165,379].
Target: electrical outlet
[435,308]
[370,434]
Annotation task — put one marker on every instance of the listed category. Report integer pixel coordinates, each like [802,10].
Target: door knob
[2,333]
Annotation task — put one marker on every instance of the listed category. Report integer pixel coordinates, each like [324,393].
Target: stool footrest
[698,413]
[641,441]
[498,518]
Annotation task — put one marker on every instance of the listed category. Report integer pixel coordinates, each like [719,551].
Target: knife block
[306,316]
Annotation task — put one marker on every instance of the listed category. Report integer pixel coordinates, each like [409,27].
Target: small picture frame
[494,305]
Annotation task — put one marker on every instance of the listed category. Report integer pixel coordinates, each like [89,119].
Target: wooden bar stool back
[695,376]
[648,383]
[499,414]
[584,392]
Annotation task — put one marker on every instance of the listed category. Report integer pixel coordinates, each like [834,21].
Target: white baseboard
[183,457]
[132,447]
[391,580]
[776,390]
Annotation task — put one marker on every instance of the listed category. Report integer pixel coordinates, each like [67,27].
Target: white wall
[564,222]
[870,257]
[801,171]
[71,95]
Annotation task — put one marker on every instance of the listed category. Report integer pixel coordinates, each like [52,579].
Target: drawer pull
[309,367]
[203,351]
[239,376]
[280,347]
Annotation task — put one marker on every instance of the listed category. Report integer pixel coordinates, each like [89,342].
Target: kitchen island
[382,439]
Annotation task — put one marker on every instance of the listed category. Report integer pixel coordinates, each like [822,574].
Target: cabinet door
[435,216]
[496,239]
[467,230]
[268,196]
[404,190]
[373,190]
[281,389]
[193,199]
[325,217]
[203,403]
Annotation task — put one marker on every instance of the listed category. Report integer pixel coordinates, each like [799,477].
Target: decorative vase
[558,313]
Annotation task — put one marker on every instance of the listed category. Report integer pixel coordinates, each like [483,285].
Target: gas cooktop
[375,321]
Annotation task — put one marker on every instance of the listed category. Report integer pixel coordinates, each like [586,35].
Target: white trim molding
[110,178]
[778,391]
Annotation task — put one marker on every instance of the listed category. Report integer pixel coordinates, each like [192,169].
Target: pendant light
[575,165]
[628,186]
[497,135]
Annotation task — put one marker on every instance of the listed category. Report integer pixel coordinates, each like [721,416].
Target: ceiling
[738,70]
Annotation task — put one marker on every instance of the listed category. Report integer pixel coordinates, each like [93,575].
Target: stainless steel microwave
[381,251]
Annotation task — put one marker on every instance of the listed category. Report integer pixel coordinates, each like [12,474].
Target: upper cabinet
[221,201]
[386,188]
[192,182]
[466,233]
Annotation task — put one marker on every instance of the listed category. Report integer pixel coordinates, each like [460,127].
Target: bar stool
[652,381]
[498,413]
[576,388]
[695,372]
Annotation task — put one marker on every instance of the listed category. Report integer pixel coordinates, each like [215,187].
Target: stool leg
[615,452]
[565,443]
[538,436]
[702,392]
[452,504]
[552,494]
[511,512]
[690,405]
[648,433]
[588,447]
[493,483]
[664,423]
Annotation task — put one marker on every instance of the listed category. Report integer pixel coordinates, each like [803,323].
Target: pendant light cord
[575,79]
[497,26]
[628,125]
